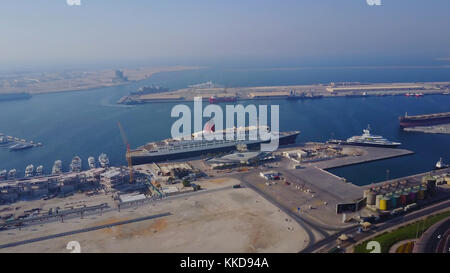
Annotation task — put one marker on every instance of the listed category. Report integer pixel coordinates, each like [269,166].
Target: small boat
[3,140]
[75,165]
[57,167]
[29,170]
[12,174]
[104,160]
[441,165]
[91,162]
[39,170]
[3,175]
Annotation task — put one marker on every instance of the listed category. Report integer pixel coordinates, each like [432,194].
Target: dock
[371,154]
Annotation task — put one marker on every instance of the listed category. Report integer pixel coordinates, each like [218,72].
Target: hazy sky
[202,31]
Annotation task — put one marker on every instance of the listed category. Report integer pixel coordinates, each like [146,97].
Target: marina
[344,117]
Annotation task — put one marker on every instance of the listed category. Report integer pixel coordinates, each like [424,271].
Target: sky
[203,32]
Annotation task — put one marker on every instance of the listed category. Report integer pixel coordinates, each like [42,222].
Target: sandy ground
[228,220]
[48,82]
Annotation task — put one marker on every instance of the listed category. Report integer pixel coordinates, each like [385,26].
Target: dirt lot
[226,220]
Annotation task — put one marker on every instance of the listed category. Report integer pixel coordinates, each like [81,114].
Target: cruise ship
[171,149]
[75,165]
[57,167]
[367,139]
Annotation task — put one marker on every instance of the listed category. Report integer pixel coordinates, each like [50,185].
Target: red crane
[128,155]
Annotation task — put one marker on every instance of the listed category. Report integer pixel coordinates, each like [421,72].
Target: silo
[366,193]
[431,185]
[384,203]
[395,200]
[421,193]
[412,196]
[377,200]
[404,198]
[371,198]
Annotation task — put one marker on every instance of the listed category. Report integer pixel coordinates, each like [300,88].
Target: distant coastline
[293,92]
[44,83]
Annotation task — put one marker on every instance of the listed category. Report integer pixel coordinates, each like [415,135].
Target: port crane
[128,155]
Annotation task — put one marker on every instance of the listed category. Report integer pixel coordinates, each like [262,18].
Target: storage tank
[395,200]
[412,196]
[404,198]
[431,185]
[371,198]
[384,203]
[421,193]
[366,193]
[377,200]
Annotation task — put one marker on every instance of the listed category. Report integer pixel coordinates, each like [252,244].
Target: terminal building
[239,159]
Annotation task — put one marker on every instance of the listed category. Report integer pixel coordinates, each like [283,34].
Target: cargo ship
[424,120]
[366,139]
[172,149]
[216,99]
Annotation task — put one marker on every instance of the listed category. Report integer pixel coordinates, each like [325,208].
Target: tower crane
[128,155]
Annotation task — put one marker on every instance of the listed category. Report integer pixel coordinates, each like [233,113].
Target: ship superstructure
[367,139]
[170,149]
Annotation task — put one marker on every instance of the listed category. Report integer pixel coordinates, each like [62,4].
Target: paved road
[63,234]
[437,242]
[331,240]
[307,224]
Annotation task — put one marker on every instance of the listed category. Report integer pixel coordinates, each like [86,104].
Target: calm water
[85,123]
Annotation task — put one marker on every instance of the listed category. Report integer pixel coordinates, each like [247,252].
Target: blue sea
[84,123]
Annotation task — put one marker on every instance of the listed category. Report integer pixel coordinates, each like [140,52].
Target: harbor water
[84,123]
